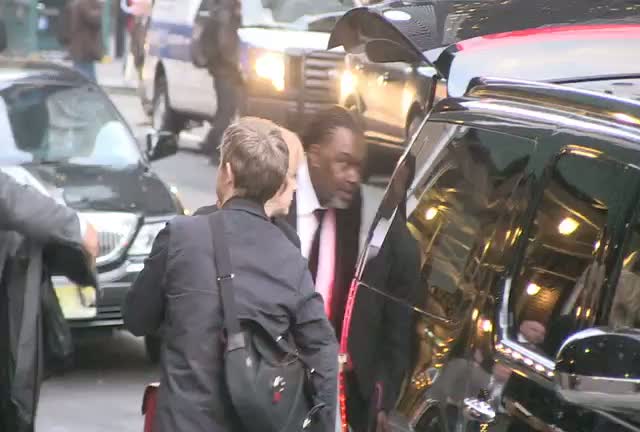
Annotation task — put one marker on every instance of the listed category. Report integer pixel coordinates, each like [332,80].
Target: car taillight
[344,360]
[343,402]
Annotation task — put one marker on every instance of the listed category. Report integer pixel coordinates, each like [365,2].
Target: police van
[288,72]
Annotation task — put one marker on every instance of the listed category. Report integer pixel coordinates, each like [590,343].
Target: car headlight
[348,85]
[144,240]
[271,66]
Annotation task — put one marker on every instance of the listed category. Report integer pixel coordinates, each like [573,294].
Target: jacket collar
[246,205]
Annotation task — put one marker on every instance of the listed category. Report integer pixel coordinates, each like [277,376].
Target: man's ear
[228,174]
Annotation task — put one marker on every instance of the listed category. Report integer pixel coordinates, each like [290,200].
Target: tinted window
[625,303]
[454,212]
[62,124]
[559,284]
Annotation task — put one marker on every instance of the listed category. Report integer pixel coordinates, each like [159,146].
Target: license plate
[76,302]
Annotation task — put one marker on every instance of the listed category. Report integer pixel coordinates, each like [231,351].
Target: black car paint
[455,355]
[134,188]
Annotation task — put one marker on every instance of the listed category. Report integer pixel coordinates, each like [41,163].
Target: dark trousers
[228,90]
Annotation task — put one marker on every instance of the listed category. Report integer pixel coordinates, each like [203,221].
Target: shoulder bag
[269,384]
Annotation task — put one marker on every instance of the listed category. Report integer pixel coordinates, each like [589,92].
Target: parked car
[61,134]
[497,290]
[288,71]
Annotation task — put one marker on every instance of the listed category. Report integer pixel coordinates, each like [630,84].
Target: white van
[289,73]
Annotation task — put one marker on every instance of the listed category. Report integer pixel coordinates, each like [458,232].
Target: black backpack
[269,384]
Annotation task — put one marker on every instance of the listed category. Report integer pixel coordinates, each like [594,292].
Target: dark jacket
[37,237]
[348,222]
[86,31]
[177,290]
[225,20]
[280,222]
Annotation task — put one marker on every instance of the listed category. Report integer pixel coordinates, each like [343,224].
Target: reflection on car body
[62,135]
[521,213]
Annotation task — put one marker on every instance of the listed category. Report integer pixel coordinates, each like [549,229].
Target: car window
[57,123]
[455,215]
[451,211]
[558,286]
[625,302]
[273,12]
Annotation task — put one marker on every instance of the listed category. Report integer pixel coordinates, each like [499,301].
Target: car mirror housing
[600,369]
[160,145]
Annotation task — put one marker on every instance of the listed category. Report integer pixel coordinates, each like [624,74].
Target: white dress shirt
[306,203]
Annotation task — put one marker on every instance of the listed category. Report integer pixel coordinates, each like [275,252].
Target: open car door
[418,31]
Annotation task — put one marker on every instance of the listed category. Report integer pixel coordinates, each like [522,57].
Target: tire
[153,345]
[163,118]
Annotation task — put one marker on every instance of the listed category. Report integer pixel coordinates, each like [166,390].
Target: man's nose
[354,175]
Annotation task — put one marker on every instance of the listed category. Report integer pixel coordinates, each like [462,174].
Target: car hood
[281,40]
[415,32]
[132,189]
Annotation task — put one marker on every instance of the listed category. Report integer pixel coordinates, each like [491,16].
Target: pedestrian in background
[177,289]
[138,12]
[84,34]
[225,18]
[37,238]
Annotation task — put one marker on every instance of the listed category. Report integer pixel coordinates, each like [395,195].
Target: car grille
[115,232]
[321,72]
[109,241]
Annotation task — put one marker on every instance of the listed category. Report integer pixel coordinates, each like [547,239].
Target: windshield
[289,12]
[58,123]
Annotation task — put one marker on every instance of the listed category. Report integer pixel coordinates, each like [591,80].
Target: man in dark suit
[177,291]
[327,207]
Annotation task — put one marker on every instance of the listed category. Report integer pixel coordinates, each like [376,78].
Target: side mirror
[3,36]
[600,369]
[161,144]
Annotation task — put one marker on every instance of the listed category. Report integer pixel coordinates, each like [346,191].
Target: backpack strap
[222,262]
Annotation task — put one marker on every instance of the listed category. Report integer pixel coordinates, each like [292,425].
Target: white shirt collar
[306,199]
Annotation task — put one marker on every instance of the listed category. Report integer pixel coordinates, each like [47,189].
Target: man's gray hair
[258,155]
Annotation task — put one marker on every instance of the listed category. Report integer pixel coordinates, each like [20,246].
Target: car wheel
[414,125]
[152,345]
[163,118]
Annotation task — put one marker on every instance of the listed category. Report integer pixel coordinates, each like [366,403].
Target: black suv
[499,289]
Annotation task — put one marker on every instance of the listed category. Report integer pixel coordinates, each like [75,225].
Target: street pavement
[103,393]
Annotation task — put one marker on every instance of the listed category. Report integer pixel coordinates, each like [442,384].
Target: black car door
[567,262]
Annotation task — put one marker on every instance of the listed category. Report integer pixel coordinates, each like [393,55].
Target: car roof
[561,54]
[560,107]
[28,71]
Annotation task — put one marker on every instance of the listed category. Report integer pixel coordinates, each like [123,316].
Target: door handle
[478,410]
